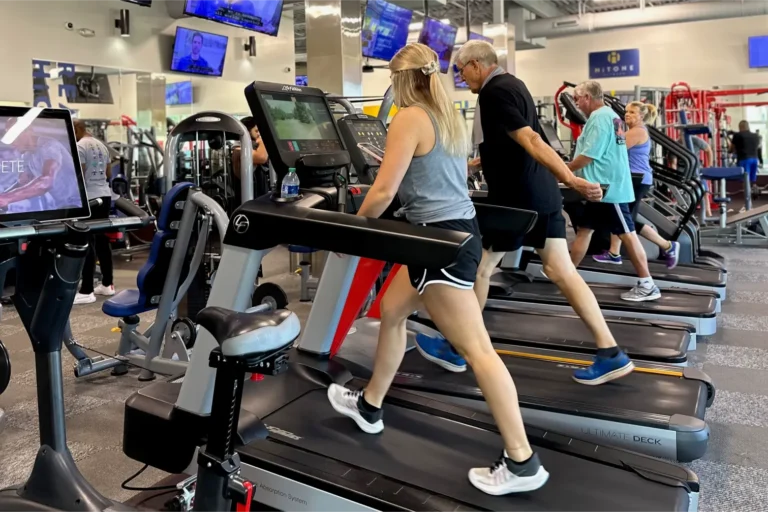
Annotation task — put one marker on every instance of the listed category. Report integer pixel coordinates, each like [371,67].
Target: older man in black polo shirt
[523,171]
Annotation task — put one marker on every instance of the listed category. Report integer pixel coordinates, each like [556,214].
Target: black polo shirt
[745,144]
[514,178]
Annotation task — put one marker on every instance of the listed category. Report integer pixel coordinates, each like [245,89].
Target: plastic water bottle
[290,186]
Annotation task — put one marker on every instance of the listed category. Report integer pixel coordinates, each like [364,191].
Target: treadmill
[690,277]
[420,460]
[644,340]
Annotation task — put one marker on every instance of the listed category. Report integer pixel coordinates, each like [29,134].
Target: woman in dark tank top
[425,165]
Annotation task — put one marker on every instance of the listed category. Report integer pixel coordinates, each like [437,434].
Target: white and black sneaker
[352,405]
[507,476]
[641,293]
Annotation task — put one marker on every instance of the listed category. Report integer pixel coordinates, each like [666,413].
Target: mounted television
[179,93]
[440,37]
[458,83]
[385,29]
[199,53]
[257,15]
[758,52]
[143,3]
[301,80]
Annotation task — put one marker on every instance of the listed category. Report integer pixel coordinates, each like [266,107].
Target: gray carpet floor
[733,473]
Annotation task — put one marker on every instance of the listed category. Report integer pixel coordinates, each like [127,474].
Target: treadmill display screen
[40,175]
[301,123]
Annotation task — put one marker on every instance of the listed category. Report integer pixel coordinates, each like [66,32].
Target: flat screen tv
[385,29]
[179,93]
[257,15]
[143,3]
[199,53]
[301,80]
[440,37]
[758,52]
[457,81]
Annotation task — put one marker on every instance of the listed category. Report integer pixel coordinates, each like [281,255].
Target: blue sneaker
[672,255]
[440,352]
[605,369]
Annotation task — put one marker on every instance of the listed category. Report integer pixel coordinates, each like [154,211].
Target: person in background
[425,166]
[746,145]
[95,161]
[601,154]
[522,171]
[760,149]
[260,159]
[637,115]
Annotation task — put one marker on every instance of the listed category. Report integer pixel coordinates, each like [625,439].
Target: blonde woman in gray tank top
[425,166]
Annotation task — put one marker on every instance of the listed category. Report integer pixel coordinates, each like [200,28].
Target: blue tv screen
[179,93]
[197,52]
[758,52]
[441,38]
[385,29]
[457,81]
[257,15]
[301,80]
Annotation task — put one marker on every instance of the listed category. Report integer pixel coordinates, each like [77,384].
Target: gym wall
[35,30]
[704,54]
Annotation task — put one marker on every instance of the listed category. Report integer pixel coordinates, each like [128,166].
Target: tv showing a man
[194,62]
[42,170]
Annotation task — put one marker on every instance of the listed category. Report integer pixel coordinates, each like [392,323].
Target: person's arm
[35,187]
[260,156]
[579,163]
[636,136]
[503,110]
[402,141]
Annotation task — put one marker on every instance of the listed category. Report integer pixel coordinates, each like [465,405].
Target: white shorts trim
[447,283]
[621,218]
[456,279]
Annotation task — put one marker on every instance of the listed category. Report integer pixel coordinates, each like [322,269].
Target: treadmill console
[365,138]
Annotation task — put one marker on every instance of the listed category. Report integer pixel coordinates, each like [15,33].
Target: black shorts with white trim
[463,272]
[616,218]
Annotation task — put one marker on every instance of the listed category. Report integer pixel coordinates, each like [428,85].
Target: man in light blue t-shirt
[601,156]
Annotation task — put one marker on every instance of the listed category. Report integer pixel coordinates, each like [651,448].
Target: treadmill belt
[635,397]
[568,332]
[435,454]
[672,302]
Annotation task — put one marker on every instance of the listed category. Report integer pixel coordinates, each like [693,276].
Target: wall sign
[614,63]
[41,73]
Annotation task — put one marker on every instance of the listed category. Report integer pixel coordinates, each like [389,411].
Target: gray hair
[481,51]
[591,88]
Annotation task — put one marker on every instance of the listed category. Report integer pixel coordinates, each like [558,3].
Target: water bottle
[290,186]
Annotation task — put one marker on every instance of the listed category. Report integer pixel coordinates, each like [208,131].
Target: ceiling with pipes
[481,11]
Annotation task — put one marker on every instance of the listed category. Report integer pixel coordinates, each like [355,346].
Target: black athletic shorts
[612,217]
[463,272]
[548,225]
[640,192]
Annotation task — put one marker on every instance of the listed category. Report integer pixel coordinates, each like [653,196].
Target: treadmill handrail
[60,228]
[385,240]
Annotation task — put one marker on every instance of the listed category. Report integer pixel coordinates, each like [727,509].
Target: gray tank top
[434,188]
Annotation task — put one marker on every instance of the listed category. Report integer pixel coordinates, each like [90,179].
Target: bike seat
[240,334]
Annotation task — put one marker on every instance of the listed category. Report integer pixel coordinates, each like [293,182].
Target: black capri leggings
[640,192]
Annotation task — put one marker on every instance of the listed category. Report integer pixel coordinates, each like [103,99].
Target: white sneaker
[82,298]
[499,480]
[107,291]
[347,402]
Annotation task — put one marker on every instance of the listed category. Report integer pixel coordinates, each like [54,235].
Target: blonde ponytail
[416,81]
[647,110]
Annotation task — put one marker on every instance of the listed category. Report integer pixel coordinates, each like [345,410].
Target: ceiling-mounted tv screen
[458,83]
[385,29]
[440,37]
[178,93]
[257,15]
[301,80]
[197,52]
[758,52]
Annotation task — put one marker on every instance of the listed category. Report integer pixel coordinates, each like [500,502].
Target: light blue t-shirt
[604,141]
